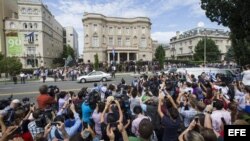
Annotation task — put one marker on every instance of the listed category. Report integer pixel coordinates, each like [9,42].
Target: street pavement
[30,89]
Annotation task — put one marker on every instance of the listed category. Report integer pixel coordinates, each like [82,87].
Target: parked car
[94,76]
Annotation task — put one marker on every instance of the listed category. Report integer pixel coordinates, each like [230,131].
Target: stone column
[127,56]
[108,58]
[118,57]
[137,57]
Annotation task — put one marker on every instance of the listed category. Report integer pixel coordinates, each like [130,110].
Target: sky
[167,16]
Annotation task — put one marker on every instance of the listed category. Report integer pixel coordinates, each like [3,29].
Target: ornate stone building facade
[182,46]
[35,36]
[116,39]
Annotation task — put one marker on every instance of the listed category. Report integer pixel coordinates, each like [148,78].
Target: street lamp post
[64,63]
[205,48]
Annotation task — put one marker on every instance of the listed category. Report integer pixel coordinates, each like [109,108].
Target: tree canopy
[234,14]
[67,51]
[11,65]
[160,55]
[212,51]
[230,54]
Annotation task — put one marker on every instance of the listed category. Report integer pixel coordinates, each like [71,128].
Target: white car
[94,76]
[167,71]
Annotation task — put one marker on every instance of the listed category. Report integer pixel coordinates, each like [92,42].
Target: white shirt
[216,119]
[224,90]
[246,78]
[187,89]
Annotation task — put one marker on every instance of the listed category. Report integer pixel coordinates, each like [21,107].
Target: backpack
[151,112]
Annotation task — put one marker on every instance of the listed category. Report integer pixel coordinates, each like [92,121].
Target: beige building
[155,44]
[71,38]
[35,36]
[8,9]
[128,38]
[182,46]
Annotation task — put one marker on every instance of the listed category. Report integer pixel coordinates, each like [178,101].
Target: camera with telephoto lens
[42,117]
[5,102]
[52,90]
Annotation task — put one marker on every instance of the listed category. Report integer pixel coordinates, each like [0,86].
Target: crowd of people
[168,107]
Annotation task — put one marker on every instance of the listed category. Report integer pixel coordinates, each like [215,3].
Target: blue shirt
[86,113]
[71,131]
[188,115]
[71,122]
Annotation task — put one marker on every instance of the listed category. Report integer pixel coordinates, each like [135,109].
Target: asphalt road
[30,89]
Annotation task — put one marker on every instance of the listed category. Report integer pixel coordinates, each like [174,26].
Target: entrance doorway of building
[132,56]
[123,57]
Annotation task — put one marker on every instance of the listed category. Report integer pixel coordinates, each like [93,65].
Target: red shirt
[27,136]
[45,101]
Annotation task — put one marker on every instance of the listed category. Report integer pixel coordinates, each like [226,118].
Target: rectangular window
[127,42]
[119,31]
[25,37]
[127,30]
[95,27]
[143,30]
[119,41]
[36,37]
[135,30]
[111,41]
[110,30]
[31,50]
[103,29]
[143,42]
[95,41]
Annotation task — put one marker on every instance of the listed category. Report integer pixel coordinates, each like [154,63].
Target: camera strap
[58,135]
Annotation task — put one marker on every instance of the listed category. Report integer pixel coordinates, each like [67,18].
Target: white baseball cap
[17,101]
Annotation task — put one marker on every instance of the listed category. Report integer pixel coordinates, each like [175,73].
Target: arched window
[35,25]
[30,25]
[12,25]
[25,25]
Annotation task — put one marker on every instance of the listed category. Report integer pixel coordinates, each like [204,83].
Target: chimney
[177,34]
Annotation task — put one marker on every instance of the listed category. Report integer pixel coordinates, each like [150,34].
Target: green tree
[96,63]
[160,55]
[212,51]
[233,14]
[67,50]
[1,56]
[11,65]
[229,54]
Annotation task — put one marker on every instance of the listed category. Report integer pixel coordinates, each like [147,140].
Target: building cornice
[89,16]
[198,36]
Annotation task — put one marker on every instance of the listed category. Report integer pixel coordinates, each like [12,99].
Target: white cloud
[200,24]
[163,37]
[196,10]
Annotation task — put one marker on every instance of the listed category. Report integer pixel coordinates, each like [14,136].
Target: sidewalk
[50,79]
